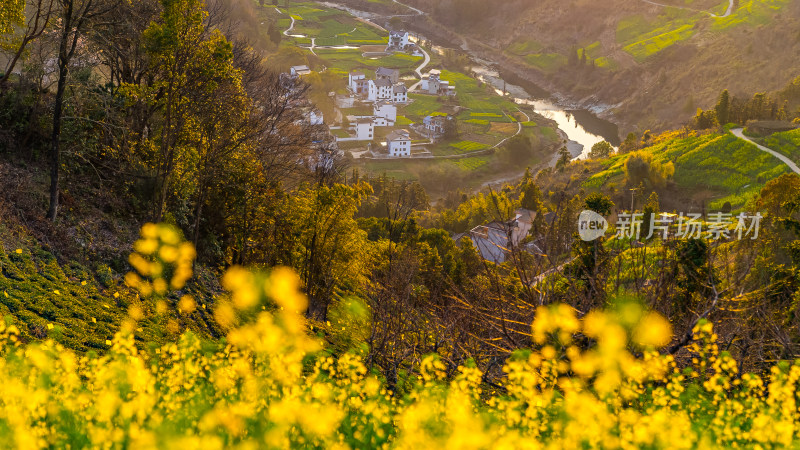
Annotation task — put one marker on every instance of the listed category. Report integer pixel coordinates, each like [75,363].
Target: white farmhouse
[435,125]
[299,71]
[379,90]
[355,80]
[383,73]
[315,117]
[365,129]
[399,40]
[398,143]
[431,84]
[400,93]
[385,114]
[434,85]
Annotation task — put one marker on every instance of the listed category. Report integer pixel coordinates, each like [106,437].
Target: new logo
[591,225]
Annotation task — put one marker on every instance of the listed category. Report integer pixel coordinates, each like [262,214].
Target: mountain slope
[653,64]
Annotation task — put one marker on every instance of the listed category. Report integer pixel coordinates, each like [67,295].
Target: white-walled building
[353,81]
[315,117]
[434,85]
[400,93]
[435,125]
[399,40]
[364,129]
[299,71]
[385,111]
[379,90]
[398,143]
[393,75]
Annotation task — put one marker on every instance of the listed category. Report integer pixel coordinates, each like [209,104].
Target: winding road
[728,12]
[418,12]
[739,133]
[519,129]
[291,27]
[419,69]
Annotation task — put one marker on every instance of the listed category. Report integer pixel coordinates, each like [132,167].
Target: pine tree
[723,108]
[601,149]
[650,208]
[564,157]
[531,197]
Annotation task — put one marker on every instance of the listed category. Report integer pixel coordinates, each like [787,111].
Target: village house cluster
[385,92]
[377,100]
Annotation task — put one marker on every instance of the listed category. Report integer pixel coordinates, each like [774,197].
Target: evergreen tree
[601,149]
[599,203]
[651,207]
[564,157]
[531,197]
[631,143]
[723,108]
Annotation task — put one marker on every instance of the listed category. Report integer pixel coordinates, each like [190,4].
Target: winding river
[582,127]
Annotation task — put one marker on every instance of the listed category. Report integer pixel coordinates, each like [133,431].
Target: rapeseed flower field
[593,381]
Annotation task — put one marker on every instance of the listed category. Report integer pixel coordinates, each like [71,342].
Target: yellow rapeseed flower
[187,304]
[653,331]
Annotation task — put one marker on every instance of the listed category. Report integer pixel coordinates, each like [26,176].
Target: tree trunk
[58,107]
[198,211]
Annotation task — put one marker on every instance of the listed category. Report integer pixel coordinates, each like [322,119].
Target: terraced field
[786,143]
[732,169]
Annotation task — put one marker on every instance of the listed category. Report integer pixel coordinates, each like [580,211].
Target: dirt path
[418,11]
[739,133]
[291,27]
[728,12]
[519,128]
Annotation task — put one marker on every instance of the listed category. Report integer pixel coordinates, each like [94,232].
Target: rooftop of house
[383,103]
[364,120]
[383,83]
[299,69]
[383,71]
[398,135]
[496,232]
[435,119]
[525,215]
[357,74]
[400,88]
[458,236]
[400,33]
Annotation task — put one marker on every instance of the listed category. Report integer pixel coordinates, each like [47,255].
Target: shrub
[640,167]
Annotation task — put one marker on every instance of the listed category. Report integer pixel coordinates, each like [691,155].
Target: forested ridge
[186,259]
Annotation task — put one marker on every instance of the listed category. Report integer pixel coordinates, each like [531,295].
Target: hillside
[653,65]
[308,231]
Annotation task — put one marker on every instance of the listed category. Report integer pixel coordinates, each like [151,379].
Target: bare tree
[76,17]
[41,15]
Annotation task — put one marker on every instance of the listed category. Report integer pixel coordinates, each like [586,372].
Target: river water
[581,126]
